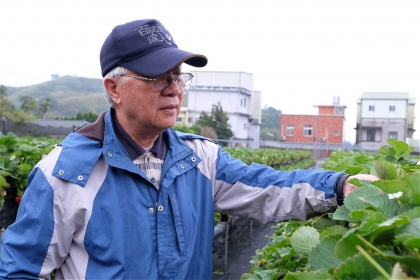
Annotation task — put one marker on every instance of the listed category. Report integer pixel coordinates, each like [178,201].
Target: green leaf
[358,267]
[346,246]
[370,220]
[389,225]
[412,213]
[407,208]
[334,230]
[342,214]
[413,180]
[413,243]
[323,222]
[401,148]
[3,182]
[353,201]
[411,228]
[356,182]
[361,158]
[384,170]
[322,256]
[353,170]
[304,239]
[4,173]
[358,215]
[383,204]
[395,186]
[25,167]
[387,151]
[267,274]
[409,262]
[308,275]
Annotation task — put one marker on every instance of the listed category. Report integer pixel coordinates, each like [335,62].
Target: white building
[235,92]
[383,115]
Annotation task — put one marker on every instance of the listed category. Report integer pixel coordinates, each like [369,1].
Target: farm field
[374,235]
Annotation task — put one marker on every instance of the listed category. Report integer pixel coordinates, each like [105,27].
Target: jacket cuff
[339,188]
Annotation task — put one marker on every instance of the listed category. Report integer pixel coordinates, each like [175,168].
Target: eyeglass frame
[174,78]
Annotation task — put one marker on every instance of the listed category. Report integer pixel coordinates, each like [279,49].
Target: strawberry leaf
[346,246]
[334,230]
[401,148]
[308,275]
[383,169]
[353,201]
[322,256]
[387,151]
[370,220]
[342,214]
[304,239]
[411,213]
[408,262]
[412,228]
[358,268]
[395,186]
[383,204]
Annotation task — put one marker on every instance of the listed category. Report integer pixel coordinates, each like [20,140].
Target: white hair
[117,71]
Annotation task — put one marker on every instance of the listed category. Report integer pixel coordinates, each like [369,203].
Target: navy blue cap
[146,47]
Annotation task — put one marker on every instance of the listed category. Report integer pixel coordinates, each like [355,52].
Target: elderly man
[129,198]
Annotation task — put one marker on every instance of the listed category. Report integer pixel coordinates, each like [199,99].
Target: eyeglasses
[164,81]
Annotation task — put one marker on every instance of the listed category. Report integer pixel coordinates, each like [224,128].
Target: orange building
[325,127]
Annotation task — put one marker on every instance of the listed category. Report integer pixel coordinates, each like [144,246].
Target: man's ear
[110,85]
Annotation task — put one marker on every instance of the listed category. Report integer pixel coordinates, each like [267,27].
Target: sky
[301,52]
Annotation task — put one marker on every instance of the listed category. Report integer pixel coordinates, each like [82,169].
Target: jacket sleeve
[27,251]
[260,192]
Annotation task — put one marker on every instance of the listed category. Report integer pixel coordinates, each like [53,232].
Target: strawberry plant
[375,234]
[18,155]
[273,157]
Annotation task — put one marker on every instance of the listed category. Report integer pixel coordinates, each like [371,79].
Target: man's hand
[348,187]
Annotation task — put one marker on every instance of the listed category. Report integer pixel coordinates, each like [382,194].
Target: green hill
[68,96]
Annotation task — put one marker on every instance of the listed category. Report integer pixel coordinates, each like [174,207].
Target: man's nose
[173,89]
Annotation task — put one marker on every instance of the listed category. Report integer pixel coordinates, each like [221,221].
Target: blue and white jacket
[86,211]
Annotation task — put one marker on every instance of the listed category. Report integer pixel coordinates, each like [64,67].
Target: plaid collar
[131,147]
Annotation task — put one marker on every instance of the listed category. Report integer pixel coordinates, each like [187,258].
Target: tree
[208,132]
[218,120]
[44,106]
[186,129]
[270,123]
[28,103]
[270,118]
[87,116]
[20,118]
[5,105]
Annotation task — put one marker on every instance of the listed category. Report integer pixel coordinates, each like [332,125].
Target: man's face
[149,110]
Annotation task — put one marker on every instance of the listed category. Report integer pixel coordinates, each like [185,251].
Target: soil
[241,247]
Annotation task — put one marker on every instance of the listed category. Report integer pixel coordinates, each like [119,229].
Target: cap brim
[163,60]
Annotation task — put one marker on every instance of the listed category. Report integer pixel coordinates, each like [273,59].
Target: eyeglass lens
[164,81]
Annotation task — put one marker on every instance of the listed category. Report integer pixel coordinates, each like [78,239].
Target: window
[179,120]
[290,128]
[370,135]
[241,102]
[244,126]
[335,132]
[307,130]
[392,108]
[393,135]
[371,108]
[244,102]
